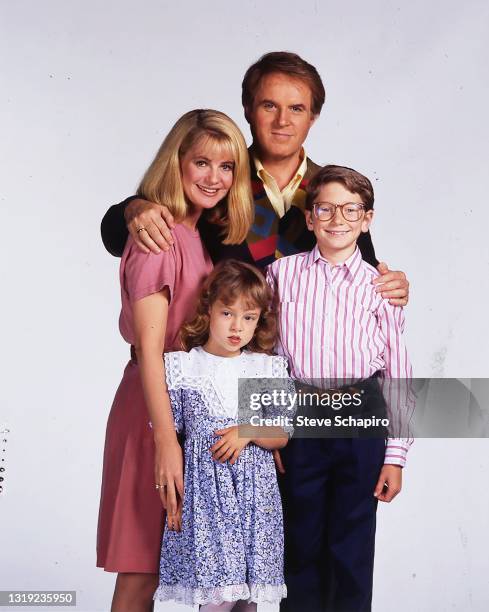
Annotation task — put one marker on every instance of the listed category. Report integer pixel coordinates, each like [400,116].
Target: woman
[201,168]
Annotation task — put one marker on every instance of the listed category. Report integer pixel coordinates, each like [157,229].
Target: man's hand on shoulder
[392,285]
[149,225]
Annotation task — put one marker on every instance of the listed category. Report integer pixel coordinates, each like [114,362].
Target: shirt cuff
[396,452]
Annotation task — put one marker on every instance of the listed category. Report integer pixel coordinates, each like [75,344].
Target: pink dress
[131,516]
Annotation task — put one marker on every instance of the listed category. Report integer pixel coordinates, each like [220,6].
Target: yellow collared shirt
[281,200]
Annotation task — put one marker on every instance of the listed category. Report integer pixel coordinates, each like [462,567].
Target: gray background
[88,91]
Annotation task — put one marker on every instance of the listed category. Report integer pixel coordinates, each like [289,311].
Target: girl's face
[232,326]
[207,174]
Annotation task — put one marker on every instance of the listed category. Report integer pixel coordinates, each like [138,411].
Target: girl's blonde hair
[162,182]
[230,280]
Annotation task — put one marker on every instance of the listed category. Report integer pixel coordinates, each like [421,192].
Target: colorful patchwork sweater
[269,238]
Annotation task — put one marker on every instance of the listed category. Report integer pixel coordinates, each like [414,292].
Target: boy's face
[281,116]
[337,237]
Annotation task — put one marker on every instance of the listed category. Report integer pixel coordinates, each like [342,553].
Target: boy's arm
[396,387]
[396,383]
[149,224]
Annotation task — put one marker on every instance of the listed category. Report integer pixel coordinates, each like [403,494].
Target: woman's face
[207,174]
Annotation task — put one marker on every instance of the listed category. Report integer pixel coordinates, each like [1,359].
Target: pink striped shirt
[333,324]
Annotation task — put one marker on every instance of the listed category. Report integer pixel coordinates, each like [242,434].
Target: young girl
[224,548]
[201,169]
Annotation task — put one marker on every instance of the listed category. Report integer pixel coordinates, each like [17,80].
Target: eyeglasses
[351,211]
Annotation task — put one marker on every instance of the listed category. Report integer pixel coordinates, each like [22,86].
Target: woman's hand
[169,474]
[149,225]
[392,285]
[229,446]
[174,521]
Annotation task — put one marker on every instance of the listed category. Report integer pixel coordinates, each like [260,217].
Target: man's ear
[313,119]
[247,113]
[367,220]
[309,223]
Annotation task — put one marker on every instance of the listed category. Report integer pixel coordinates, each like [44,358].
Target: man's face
[281,116]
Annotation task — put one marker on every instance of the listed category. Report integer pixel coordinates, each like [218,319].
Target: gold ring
[141,229]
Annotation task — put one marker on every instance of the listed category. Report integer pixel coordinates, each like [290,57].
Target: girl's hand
[229,446]
[174,521]
[169,474]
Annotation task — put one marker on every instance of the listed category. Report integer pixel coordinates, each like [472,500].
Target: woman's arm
[150,319]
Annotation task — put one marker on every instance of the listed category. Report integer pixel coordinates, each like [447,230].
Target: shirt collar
[352,264]
[262,173]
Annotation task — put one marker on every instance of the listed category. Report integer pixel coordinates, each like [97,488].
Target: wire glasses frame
[351,211]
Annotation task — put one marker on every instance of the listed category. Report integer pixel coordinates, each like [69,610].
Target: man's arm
[149,224]
[392,285]
[114,229]
[367,249]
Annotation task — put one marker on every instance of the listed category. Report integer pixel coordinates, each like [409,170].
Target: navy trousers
[329,520]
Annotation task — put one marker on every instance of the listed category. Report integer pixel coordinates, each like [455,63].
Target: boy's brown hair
[349,178]
[291,65]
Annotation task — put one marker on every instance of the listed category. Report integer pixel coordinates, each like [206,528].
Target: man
[282,97]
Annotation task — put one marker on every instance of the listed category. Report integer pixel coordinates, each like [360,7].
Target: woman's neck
[193,216]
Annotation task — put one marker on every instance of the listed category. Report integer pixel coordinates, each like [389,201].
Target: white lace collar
[216,378]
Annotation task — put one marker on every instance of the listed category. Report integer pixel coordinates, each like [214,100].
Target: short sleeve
[177,408]
[148,273]
[173,374]
[285,406]
[279,367]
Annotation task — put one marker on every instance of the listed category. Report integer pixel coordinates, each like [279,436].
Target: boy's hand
[392,285]
[229,446]
[174,521]
[153,222]
[389,483]
[278,461]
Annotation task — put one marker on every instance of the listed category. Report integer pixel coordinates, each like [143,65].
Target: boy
[332,324]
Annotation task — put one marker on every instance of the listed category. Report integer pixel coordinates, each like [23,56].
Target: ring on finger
[141,229]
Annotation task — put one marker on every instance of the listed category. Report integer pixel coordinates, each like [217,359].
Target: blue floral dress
[231,543]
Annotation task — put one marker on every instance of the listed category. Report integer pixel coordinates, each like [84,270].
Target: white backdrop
[89,89]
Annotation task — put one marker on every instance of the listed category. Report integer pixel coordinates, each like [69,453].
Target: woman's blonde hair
[162,182]
[230,280]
